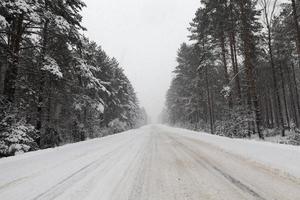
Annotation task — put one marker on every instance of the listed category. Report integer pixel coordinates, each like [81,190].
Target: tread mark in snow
[19,180]
[239,184]
[232,180]
[14,182]
[55,190]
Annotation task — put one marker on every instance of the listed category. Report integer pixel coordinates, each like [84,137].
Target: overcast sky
[144,36]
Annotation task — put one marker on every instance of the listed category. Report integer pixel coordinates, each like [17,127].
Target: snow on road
[154,163]
[282,158]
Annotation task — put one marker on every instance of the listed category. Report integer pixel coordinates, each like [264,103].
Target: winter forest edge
[57,86]
[239,74]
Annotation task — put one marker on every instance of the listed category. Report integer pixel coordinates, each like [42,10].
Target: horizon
[147,47]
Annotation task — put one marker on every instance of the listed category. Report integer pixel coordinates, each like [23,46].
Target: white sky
[144,36]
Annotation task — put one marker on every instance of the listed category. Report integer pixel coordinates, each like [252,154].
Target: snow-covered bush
[294,139]
[226,91]
[200,126]
[236,125]
[16,137]
[272,132]
[117,125]
[105,131]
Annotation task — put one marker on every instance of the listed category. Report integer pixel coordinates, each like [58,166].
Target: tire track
[59,188]
[35,174]
[140,177]
[209,166]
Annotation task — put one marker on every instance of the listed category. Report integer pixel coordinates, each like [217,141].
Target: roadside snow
[281,158]
[34,172]
[154,162]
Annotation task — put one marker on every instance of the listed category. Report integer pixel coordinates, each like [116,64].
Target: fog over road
[151,163]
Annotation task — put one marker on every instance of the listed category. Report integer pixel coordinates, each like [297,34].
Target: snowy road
[151,163]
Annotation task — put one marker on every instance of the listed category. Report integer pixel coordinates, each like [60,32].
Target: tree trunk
[233,51]
[267,119]
[206,113]
[235,66]
[296,89]
[297,29]
[3,68]
[270,109]
[49,101]
[226,74]
[284,96]
[11,75]
[249,48]
[209,101]
[42,96]
[292,98]
[213,108]
[275,86]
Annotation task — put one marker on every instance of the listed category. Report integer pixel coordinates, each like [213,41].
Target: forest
[221,76]
[239,74]
[56,85]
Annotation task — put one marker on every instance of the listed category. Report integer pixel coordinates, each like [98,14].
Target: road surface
[150,163]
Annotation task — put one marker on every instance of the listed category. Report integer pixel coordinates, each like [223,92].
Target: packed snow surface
[155,163]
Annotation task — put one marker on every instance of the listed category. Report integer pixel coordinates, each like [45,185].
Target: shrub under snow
[117,125]
[16,137]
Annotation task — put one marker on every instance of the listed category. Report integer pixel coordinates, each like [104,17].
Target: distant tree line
[240,74]
[57,86]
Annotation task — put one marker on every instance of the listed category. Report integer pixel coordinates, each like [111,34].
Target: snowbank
[282,158]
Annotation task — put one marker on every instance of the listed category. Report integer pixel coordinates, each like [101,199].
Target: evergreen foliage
[239,75]
[57,86]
